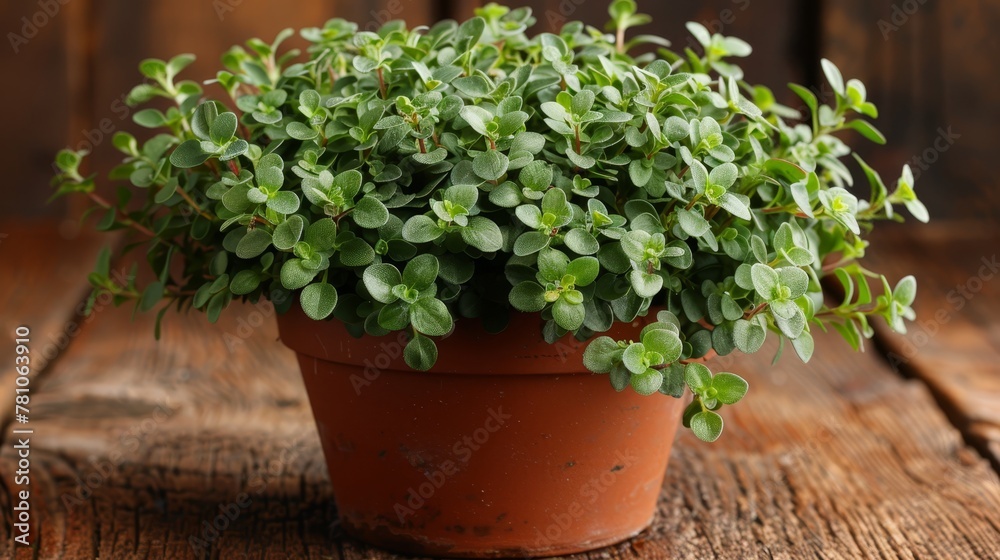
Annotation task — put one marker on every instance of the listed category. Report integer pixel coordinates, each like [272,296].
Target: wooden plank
[955,342]
[34,51]
[138,444]
[923,67]
[840,459]
[43,281]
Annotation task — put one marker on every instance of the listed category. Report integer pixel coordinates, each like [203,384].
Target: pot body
[505,448]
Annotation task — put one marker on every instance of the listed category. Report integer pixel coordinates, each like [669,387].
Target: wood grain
[923,67]
[953,345]
[839,459]
[34,49]
[42,284]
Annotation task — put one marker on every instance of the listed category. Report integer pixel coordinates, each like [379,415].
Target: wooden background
[929,64]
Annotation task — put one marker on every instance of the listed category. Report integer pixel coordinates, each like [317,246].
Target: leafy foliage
[399,179]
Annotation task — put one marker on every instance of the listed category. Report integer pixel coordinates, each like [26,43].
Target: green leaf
[584,269]
[795,279]
[729,387]
[581,242]
[223,128]
[867,130]
[665,343]
[483,234]
[582,161]
[765,280]
[421,229]
[905,291]
[804,346]
[321,235]
[490,165]
[421,272]
[149,118]
[465,196]
[288,233]
[601,354]
[420,353]
[473,86]
[834,76]
[568,315]
[724,175]
[284,202]
[395,316]
[370,213]
[151,296]
[379,280]
[647,382]
[707,426]
[255,242]
[645,285]
[693,223]
[189,154]
[153,68]
[552,264]
[528,297]
[634,358]
[294,275]
[364,64]
[215,306]
[477,117]
[356,252]
[620,377]
[536,176]
[554,202]
[318,300]
[530,242]
[748,336]
[698,377]
[430,316]
[244,282]
[301,131]
[235,149]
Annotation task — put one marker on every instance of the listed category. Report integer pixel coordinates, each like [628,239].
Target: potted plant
[458,224]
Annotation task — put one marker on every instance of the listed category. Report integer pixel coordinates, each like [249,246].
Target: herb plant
[401,179]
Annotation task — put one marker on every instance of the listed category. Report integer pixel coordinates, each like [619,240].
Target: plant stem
[193,204]
[750,314]
[124,219]
[692,203]
[381,82]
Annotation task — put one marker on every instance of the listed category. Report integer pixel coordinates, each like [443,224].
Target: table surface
[890,453]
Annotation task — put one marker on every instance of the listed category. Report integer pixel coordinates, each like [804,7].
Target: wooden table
[138,444]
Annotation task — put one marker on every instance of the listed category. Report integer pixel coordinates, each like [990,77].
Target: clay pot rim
[467,350]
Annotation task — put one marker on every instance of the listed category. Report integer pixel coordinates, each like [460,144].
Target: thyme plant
[401,179]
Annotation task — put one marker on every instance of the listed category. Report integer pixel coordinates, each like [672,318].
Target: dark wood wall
[930,66]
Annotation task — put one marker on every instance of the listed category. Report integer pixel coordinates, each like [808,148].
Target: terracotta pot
[505,448]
